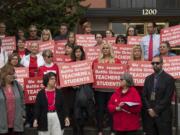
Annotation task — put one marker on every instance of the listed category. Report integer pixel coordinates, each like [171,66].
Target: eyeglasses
[120,40]
[155,63]
[33,30]
[162,47]
[49,56]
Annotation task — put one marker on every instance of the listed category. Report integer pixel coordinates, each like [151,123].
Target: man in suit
[157,109]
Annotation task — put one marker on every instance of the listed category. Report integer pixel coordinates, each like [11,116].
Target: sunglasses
[155,63]
[49,56]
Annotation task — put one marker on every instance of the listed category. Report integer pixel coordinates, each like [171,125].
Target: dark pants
[156,126]
[11,132]
[102,99]
[78,127]
[128,133]
[29,114]
[69,97]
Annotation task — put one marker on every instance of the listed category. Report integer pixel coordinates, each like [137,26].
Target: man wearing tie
[150,43]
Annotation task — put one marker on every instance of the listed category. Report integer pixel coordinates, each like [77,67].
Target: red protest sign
[172,66]
[59,47]
[59,58]
[92,52]
[140,70]
[134,40]
[31,88]
[75,73]
[9,44]
[107,75]
[46,45]
[85,39]
[123,52]
[29,42]
[21,73]
[111,40]
[171,34]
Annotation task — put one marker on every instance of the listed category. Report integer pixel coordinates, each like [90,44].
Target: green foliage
[43,13]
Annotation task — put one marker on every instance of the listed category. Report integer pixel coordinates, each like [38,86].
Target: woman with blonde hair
[137,53]
[106,55]
[46,35]
[71,39]
[86,27]
[102,95]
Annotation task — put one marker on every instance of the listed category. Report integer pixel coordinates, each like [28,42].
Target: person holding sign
[120,39]
[50,113]
[150,43]
[33,33]
[2,30]
[102,95]
[125,106]
[131,31]
[99,39]
[165,49]
[157,109]
[78,54]
[63,32]
[71,40]
[109,33]
[68,50]
[46,35]
[34,60]
[3,55]
[20,49]
[12,108]
[86,27]
[137,53]
[14,60]
[49,66]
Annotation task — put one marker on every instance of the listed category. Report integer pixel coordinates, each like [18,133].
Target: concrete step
[87,131]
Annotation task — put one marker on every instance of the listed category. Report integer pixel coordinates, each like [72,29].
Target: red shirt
[10,104]
[21,54]
[51,100]
[129,119]
[33,67]
[45,69]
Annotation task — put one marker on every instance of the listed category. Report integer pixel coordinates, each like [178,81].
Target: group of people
[127,108]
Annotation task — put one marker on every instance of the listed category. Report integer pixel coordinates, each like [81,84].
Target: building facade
[119,14]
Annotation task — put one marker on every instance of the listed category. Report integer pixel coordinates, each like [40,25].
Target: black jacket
[164,92]
[41,109]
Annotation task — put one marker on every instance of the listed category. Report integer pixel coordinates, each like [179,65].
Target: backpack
[85,100]
[83,94]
